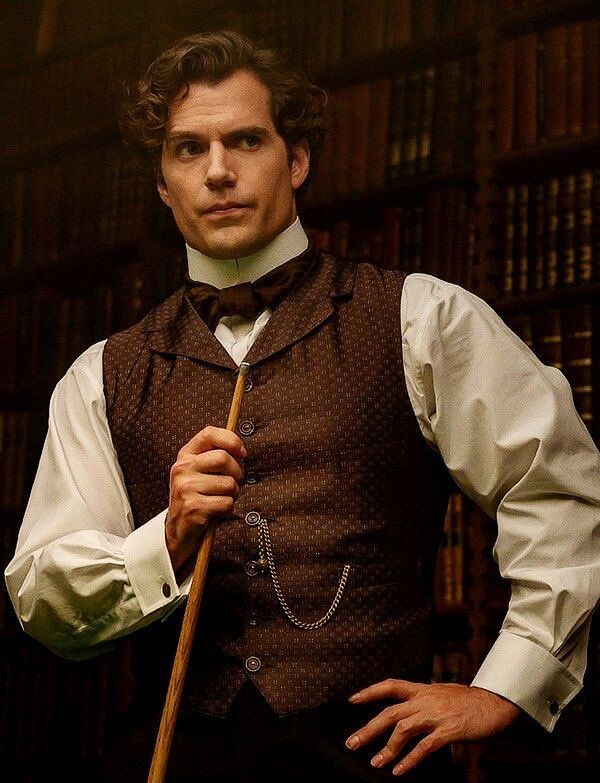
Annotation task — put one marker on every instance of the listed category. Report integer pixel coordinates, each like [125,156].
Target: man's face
[222,148]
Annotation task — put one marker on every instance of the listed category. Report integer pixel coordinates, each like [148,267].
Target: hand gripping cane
[164,738]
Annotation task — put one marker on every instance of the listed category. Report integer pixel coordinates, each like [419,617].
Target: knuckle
[176,468]
[188,503]
[231,484]
[221,457]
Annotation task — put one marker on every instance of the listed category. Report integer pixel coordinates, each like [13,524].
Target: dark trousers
[254,745]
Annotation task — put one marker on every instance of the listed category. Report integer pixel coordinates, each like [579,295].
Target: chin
[225,247]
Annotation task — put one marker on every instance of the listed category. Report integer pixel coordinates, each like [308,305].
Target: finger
[388,689]
[217,485]
[386,718]
[429,744]
[404,730]
[219,504]
[220,462]
[214,438]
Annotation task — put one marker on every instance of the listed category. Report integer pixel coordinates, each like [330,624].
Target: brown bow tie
[247,299]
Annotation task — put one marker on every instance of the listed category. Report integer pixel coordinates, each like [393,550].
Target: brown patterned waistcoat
[337,466]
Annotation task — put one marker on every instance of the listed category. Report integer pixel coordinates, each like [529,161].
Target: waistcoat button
[252,619]
[553,706]
[252,518]
[249,384]
[253,663]
[251,477]
[251,568]
[166,590]
[246,427]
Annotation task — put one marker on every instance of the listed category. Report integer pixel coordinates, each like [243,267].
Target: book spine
[556,82]
[567,220]
[551,190]
[525,90]
[523,238]
[578,360]
[583,229]
[591,77]
[575,66]
[396,134]
[537,234]
[509,223]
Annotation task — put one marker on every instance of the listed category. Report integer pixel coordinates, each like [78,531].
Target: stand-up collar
[222,273]
[175,326]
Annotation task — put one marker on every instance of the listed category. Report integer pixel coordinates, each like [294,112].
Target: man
[363,383]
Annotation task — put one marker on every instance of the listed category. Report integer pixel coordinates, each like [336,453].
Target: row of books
[71,25]
[323,33]
[68,98]
[51,709]
[436,235]
[551,232]
[19,431]
[508,6]
[70,205]
[571,740]
[488,592]
[548,85]
[34,29]
[449,584]
[564,338]
[452,665]
[44,329]
[378,133]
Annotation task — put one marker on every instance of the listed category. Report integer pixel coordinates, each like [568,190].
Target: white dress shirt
[504,423]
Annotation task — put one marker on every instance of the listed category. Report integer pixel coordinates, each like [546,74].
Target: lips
[227,206]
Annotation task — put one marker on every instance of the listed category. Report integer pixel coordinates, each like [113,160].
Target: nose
[218,171]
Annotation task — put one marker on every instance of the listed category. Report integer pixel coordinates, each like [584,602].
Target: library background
[473,131]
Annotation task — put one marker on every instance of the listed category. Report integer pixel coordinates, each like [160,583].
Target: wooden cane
[164,738]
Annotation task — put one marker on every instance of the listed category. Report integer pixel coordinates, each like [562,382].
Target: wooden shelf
[360,205]
[39,62]
[563,154]
[555,297]
[545,14]
[51,151]
[453,44]
[27,396]
[75,270]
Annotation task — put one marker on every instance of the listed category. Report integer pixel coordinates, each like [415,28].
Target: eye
[250,142]
[188,148]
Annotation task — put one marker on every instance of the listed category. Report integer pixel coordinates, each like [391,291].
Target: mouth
[227,210]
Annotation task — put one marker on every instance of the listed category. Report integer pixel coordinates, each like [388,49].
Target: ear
[300,163]
[161,186]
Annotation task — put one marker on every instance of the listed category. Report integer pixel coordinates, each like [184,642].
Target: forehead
[239,99]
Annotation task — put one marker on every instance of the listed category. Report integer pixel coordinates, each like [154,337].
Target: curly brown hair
[297,106]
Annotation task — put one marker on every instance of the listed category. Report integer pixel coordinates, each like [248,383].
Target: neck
[223,273]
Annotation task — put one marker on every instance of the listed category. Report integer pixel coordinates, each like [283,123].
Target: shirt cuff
[149,566]
[529,676]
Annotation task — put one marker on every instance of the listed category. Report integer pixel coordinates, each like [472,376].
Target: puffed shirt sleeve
[82,576]
[507,429]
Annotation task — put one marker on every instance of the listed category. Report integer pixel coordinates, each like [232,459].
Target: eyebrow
[247,130]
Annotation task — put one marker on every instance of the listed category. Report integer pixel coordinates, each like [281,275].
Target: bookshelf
[459,168]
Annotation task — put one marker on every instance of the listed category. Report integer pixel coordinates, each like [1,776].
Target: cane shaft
[168,720]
